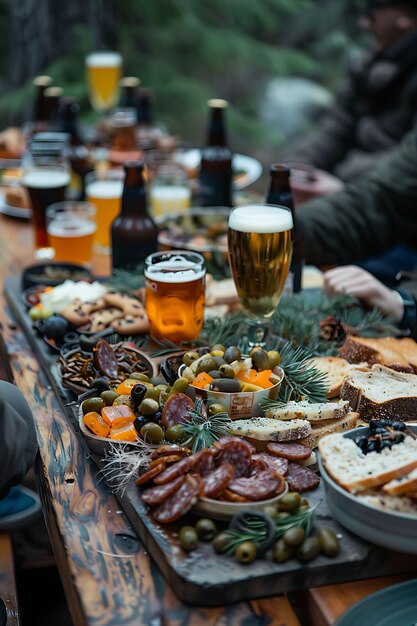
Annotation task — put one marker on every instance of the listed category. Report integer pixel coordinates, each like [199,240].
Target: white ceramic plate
[226,510]
[248,169]
[13,211]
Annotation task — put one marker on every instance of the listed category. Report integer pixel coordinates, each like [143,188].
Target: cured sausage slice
[203,462]
[105,359]
[290,451]
[157,494]
[179,502]
[258,464]
[176,409]
[264,485]
[172,458]
[229,496]
[147,476]
[219,444]
[272,462]
[168,449]
[301,478]
[173,471]
[216,482]
[237,453]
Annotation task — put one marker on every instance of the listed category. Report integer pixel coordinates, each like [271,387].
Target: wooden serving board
[203,577]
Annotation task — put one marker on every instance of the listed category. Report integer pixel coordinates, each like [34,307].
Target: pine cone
[332,329]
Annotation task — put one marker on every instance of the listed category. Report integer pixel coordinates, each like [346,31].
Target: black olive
[214,374]
[385,444]
[398,438]
[100,383]
[137,393]
[87,343]
[239,523]
[363,444]
[70,337]
[380,430]
[55,327]
[139,422]
[398,425]
[371,446]
[225,385]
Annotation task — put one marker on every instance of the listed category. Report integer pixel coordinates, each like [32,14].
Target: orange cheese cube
[124,433]
[96,424]
[117,415]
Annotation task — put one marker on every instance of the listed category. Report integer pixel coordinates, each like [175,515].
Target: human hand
[357,282]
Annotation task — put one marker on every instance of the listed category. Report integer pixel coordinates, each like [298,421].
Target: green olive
[153,393]
[93,404]
[36,314]
[179,386]
[140,376]
[246,552]
[217,347]
[282,551]
[225,385]
[108,396]
[309,549]
[260,360]
[273,358]
[152,433]
[190,357]
[148,407]
[188,538]
[254,349]
[123,398]
[305,502]
[221,542]
[218,360]
[330,545]
[294,536]
[232,354]
[188,373]
[215,408]
[282,514]
[205,364]
[175,433]
[271,510]
[226,371]
[206,529]
[290,502]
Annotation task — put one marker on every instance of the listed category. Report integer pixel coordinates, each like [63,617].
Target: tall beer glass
[71,226]
[175,295]
[260,250]
[103,74]
[104,190]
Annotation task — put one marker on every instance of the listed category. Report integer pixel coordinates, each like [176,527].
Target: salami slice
[147,476]
[173,471]
[176,409]
[216,482]
[219,444]
[105,359]
[229,496]
[290,451]
[168,450]
[264,485]
[272,462]
[179,502]
[301,478]
[237,453]
[258,465]
[157,494]
[203,462]
[172,458]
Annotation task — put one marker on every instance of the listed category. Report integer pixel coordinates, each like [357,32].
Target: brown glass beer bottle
[40,110]
[134,234]
[215,176]
[280,192]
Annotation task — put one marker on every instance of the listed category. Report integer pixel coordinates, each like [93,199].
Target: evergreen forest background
[186,50]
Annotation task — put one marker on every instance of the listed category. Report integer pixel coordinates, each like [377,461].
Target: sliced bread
[356,471]
[269,429]
[384,350]
[381,393]
[393,504]
[335,369]
[402,485]
[321,429]
[311,411]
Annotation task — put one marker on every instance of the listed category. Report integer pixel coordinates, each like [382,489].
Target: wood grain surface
[7,581]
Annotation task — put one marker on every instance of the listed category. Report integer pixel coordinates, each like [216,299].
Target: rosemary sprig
[203,430]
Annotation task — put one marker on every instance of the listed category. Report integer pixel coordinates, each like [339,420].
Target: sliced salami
[216,482]
[147,476]
[301,478]
[290,451]
[203,462]
[229,496]
[237,453]
[173,471]
[179,502]
[258,465]
[172,458]
[157,494]
[168,450]
[272,462]
[264,485]
[105,359]
[176,409]
[219,444]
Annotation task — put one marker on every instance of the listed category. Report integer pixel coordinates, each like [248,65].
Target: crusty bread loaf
[402,485]
[384,350]
[321,429]
[268,429]
[311,411]
[393,504]
[356,471]
[381,393]
[335,369]
[408,348]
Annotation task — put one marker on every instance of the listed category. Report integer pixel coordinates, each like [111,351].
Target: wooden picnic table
[107,575]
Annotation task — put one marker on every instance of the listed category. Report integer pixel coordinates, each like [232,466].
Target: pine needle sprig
[204,430]
[227,330]
[127,281]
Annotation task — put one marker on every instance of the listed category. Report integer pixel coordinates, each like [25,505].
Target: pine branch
[203,430]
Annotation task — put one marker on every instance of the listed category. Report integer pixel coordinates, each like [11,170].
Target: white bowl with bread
[373,494]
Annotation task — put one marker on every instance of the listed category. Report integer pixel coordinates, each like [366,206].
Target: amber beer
[260,249]
[104,190]
[175,295]
[103,75]
[71,227]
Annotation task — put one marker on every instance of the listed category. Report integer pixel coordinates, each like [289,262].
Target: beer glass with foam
[104,190]
[260,250]
[104,69]
[71,227]
[175,295]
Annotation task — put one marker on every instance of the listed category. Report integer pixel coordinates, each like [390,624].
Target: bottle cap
[129,81]
[217,103]
[54,92]
[279,167]
[42,81]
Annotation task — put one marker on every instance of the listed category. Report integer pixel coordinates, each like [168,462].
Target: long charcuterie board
[203,577]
